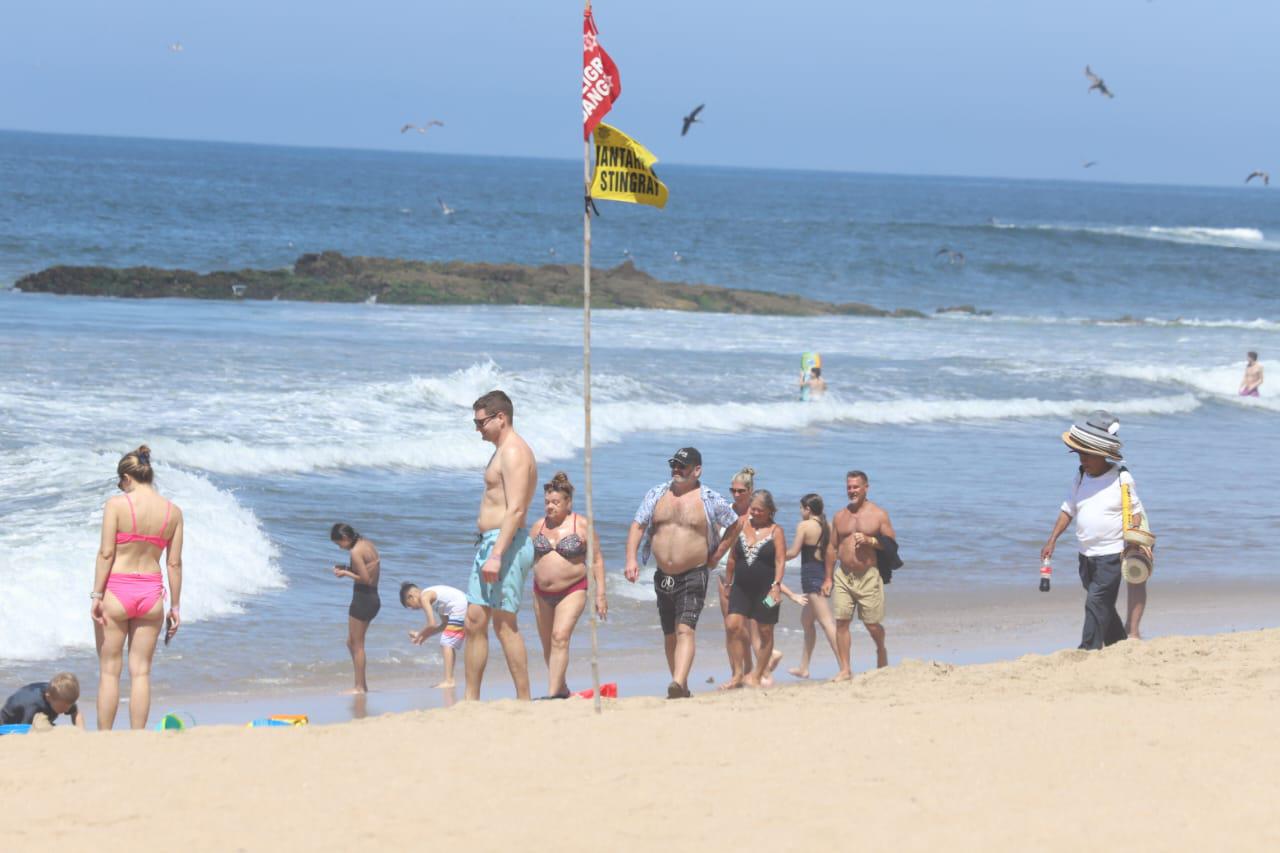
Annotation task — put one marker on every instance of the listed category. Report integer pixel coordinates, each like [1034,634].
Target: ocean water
[269,421]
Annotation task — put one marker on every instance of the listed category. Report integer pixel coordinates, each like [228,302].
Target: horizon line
[570,159]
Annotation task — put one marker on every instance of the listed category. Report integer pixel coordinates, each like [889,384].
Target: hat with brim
[1096,436]
[1078,446]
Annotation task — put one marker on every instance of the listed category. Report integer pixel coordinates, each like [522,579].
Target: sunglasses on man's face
[676,466]
[480,422]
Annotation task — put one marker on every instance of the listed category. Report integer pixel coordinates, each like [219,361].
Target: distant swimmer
[1257,173]
[176,47]
[1088,164]
[1252,376]
[445,209]
[691,119]
[679,258]
[1096,82]
[953,257]
[814,384]
[423,128]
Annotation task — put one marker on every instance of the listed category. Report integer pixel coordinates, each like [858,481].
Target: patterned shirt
[720,514]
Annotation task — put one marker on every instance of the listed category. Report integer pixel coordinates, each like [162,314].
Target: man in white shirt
[1094,502]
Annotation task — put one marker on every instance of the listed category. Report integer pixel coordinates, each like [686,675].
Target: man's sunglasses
[734,491]
[480,422]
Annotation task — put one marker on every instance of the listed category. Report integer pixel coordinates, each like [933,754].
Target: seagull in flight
[176,47]
[1258,173]
[1096,82]
[953,257]
[435,122]
[445,210]
[691,119]
[1088,164]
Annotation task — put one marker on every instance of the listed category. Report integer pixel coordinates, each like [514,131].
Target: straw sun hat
[1096,436]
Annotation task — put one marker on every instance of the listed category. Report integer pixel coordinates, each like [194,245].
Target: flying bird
[691,119]
[176,47]
[1096,82]
[435,122]
[445,209]
[1258,173]
[953,257]
[1088,164]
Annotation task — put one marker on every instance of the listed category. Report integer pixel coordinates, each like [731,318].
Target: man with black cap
[1095,502]
[678,523]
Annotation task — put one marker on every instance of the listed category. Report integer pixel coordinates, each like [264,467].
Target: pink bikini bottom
[138,593]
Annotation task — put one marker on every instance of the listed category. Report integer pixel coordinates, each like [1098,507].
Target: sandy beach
[1167,744]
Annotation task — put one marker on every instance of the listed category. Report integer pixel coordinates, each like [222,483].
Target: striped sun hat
[1096,436]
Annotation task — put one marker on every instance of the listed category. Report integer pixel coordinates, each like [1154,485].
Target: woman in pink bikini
[560,579]
[128,592]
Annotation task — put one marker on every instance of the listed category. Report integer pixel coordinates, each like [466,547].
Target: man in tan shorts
[855,586]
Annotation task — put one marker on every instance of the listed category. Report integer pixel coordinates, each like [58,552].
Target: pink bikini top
[134,536]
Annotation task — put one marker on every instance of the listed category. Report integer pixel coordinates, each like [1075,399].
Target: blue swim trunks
[505,594]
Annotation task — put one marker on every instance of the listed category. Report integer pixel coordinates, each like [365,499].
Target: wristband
[96,595]
[174,609]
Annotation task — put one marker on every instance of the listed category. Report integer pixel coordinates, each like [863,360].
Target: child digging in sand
[51,698]
[453,614]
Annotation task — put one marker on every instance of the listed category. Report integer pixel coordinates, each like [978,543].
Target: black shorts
[680,597]
[748,600]
[365,603]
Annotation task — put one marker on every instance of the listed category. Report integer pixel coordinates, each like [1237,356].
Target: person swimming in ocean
[1252,376]
[813,386]
[364,569]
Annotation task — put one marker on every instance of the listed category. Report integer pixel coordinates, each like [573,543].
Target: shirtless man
[678,522]
[504,552]
[1252,377]
[855,538]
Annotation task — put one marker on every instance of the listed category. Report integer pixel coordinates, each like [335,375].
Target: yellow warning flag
[624,170]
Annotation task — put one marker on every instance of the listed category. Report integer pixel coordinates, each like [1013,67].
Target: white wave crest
[47,549]
[1191,235]
[1222,383]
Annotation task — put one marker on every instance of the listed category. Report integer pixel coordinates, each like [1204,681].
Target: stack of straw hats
[1096,436]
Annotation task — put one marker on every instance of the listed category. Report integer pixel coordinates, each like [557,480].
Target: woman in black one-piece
[754,572]
[365,603]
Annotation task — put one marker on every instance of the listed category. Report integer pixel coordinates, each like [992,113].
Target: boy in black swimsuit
[49,699]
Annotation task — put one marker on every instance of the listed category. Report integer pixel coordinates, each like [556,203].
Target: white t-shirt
[451,602]
[1094,502]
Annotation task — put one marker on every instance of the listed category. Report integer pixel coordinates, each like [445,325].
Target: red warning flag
[601,84]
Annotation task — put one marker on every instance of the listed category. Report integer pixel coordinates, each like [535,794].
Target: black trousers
[1100,576]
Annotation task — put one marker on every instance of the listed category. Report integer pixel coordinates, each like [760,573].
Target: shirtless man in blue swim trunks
[504,552]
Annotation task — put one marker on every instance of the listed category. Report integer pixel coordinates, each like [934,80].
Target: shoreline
[1005,754]
[944,626]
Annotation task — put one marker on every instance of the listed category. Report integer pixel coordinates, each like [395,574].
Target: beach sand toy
[175,722]
[607,691]
[279,721]
[15,729]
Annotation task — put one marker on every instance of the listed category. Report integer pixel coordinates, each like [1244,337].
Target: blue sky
[908,86]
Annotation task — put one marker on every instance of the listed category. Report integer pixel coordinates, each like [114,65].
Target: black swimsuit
[753,574]
[365,602]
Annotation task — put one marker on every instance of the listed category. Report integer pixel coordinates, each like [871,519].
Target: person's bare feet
[751,681]
[774,660]
[842,676]
[732,684]
[449,683]
[766,680]
[798,672]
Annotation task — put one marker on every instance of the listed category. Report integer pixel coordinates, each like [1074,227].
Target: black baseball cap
[686,456]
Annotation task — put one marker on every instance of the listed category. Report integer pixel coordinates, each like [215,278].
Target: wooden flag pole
[586,412]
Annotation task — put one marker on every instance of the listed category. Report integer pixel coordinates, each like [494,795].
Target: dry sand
[1164,745]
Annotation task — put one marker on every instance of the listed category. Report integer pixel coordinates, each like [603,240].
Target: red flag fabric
[601,84]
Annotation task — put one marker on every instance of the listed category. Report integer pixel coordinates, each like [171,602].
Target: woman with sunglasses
[128,590]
